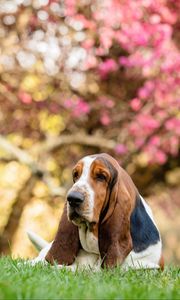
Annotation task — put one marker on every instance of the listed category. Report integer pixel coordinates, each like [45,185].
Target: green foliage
[20,281]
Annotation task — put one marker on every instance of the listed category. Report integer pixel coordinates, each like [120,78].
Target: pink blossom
[155,141]
[106,37]
[88,24]
[135,104]
[173,125]
[143,125]
[78,106]
[68,103]
[106,67]
[173,145]
[124,61]
[88,44]
[81,108]
[134,129]
[105,119]
[147,122]
[155,19]
[106,102]
[139,142]
[100,51]
[168,16]
[121,149]
[160,157]
[70,7]
[145,91]
[25,97]
[155,154]
[91,62]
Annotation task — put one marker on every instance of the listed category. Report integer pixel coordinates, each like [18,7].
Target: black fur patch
[143,231]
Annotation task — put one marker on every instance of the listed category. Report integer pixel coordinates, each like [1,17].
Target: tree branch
[35,167]
[54,143]
[21,155]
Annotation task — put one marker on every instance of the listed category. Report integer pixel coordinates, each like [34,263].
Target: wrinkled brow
[111,169]
[78,167]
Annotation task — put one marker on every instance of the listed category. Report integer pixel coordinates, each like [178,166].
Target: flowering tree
[110,67]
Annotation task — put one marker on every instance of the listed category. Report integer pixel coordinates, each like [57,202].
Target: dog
[105,222]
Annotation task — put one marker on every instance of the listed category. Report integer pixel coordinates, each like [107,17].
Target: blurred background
[84,77]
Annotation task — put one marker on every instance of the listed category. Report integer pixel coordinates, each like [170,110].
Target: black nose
[75,198]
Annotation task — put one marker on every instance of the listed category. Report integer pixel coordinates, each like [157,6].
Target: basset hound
[105,222]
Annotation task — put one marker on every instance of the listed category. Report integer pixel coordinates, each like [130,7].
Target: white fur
[88,240]
[147,259]
[148,210]
[85,261]
[84,185]
[41,256]
[37,241]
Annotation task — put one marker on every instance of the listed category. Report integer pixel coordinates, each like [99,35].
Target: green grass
[20,281]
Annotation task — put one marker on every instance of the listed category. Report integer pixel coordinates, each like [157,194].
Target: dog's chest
[89,241]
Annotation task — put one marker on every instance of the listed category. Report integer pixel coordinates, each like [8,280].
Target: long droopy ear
[66,244]
[115,241]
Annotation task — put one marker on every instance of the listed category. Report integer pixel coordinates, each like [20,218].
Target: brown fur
[94,229]
[66,243]
[100,188]
[115,241]
[77,169]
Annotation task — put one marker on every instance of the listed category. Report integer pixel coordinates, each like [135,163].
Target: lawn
[20,281]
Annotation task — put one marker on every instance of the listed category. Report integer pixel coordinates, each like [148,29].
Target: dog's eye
[75,175]
[101,177]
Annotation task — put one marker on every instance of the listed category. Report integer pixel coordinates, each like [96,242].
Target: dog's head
[93,176]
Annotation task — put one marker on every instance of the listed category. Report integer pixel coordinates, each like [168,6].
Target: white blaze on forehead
[87,162]
[83,184]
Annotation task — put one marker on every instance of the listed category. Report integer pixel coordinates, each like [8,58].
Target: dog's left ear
[115,241]
[66,244]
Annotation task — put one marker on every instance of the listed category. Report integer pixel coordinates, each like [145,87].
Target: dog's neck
[88,236]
